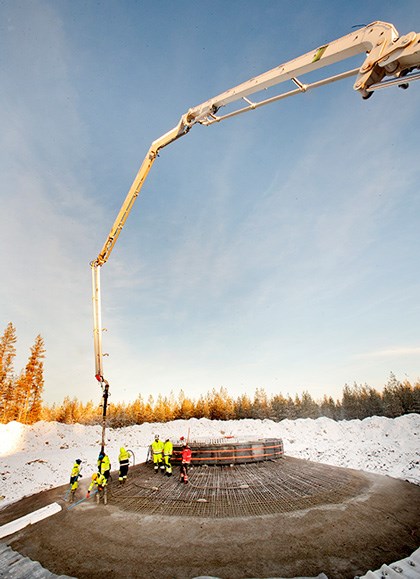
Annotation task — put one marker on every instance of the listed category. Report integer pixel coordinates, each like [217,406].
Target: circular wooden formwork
[227,452]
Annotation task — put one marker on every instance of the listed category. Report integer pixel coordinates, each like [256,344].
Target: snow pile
[39,457]
[378,445]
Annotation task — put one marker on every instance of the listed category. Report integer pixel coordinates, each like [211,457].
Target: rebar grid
[243,490]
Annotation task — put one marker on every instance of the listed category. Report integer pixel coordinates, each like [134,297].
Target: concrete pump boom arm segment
[388,55]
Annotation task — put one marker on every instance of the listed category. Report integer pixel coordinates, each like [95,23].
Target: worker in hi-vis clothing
[104,464]
[74,479]
[167,455]
[157,449]
[124,460]
[185,462]
[99,481]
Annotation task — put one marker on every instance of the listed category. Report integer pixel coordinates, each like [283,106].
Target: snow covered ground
[38,457]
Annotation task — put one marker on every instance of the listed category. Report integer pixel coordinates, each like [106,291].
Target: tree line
[21,395]
[21,400]
[357,401]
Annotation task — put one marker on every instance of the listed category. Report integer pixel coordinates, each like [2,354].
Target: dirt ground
[378,525]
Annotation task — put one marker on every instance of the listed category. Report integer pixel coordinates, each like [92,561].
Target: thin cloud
[393,352]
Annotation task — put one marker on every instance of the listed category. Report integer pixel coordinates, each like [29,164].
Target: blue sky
[278,249]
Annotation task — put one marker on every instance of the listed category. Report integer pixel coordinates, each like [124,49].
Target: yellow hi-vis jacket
[104,464]
[74,477]
[157,447]
[99,481]
[168,448]
[124,456]
[75,470]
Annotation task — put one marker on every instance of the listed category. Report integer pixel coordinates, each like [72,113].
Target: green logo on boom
[319,53]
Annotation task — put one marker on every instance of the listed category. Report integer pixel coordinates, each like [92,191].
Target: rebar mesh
[241,490]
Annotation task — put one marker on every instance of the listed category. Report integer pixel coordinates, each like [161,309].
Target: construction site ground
[282,518]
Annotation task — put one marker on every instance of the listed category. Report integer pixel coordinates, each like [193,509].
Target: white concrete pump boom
[388,55]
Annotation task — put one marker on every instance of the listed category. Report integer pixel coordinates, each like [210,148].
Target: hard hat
[156,436]
[78,461]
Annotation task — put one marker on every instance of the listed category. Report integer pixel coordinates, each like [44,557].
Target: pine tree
[308,407]
[390,396]
[416,397]
[202,407]
[260,406]
[119,416]
[32,384]
[161,411]
[19,400]
[351,402]
[363,397]
[137,410]
[292,408]
[328,407]
[65,411]
[185,408]
[220,405]
[148,415]
[279,407]
[298,407]
[92,414]
[7,354]
[406,395]
[243,407]
[375,404]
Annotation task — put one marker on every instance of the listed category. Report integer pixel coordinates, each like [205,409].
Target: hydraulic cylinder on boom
[389,60]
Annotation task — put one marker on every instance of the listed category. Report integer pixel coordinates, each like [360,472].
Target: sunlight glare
[11,438]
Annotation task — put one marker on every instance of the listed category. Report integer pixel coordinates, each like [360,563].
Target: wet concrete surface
[375,520]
